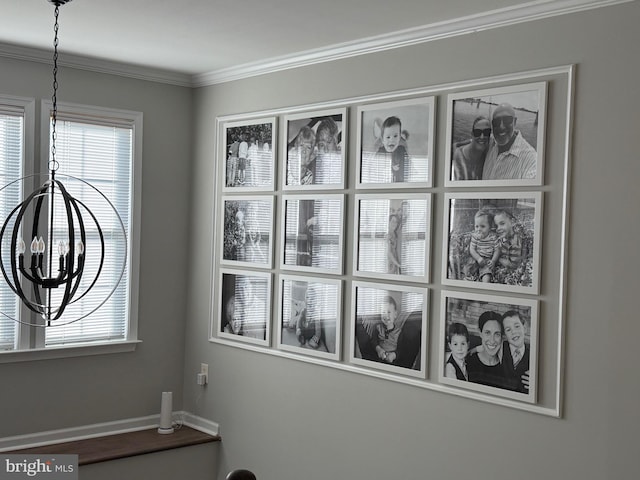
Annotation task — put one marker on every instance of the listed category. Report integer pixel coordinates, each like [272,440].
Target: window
[103,148]
[16,115]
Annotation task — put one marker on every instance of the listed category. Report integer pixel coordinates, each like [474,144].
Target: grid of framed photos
[328,258]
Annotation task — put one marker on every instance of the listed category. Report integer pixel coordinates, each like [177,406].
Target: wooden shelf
[112,447]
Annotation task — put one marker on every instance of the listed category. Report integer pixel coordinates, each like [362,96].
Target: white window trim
[83,113]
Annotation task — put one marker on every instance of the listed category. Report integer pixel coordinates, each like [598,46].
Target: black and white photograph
[312,233]
[315,150]
[395,144]
[249,155]
[388,330]
[245,306]
[493,240]
[393,236]
[496,136]
[310,320]
[248,230]
[489,344]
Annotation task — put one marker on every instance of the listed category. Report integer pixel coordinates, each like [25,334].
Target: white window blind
[11,161]
[100,152]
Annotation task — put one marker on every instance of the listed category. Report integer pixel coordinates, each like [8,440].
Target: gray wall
[286,419]
[54,394]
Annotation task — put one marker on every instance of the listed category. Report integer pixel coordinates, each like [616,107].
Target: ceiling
[200,37]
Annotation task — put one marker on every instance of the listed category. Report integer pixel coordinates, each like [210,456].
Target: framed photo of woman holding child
[244,306]
[492,240]
[395,144]
[310,316]
[495,137]
[389,328]
[489,344]
[314,156]
[393,234]
[246,154]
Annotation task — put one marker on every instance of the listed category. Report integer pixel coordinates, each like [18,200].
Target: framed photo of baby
[244,308]
[248,230]
[310,316]
[395,144]
[489,344]
[315,150]
[495,137]
[388,330]
[393,235]
[247,154]
[493,241]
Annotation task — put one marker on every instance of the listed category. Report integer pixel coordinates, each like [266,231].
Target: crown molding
[526,12]
[96,65]
[534,10]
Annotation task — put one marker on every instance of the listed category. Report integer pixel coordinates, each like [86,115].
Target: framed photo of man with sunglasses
[496,136]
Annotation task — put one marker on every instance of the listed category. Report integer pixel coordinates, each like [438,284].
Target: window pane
[11,157]
[101,155]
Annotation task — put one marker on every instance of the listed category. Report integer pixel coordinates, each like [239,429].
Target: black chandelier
[46,283]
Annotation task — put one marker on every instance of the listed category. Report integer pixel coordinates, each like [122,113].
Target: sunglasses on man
[507,121]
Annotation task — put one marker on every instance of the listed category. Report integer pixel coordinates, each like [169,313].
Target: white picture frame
[393,236]
[475,161]
[247,230]
[515,222]
[314,153]
[460,315]
[244,306]
[310,328]
[404,348]
[402,158]
[253,170]
[312,234]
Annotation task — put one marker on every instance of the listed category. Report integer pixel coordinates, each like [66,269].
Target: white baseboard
[84,432]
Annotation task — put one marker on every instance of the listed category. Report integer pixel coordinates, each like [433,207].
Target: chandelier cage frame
[72,252]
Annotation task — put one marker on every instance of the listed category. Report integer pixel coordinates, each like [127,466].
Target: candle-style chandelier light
[56,274]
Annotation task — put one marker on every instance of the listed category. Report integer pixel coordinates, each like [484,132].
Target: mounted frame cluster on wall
[329,248]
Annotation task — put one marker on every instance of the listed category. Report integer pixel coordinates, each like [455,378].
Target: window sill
[11,356]
[113,447]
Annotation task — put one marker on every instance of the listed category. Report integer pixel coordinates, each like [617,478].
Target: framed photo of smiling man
[495,137]
[489,344]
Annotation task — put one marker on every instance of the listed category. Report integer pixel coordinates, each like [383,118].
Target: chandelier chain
[53,164]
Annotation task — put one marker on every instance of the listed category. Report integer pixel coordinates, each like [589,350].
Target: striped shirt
[519,162]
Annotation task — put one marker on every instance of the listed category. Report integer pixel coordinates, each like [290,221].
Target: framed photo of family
[314,156]
[395,144]
[312,233]
[492,240]
[310,316]
[496,137]
[389,328]
[248,230]
[247,152]
[489,344]
[244,307]
[392,236]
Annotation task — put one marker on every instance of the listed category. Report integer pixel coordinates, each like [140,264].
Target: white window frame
[30,342]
